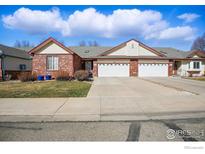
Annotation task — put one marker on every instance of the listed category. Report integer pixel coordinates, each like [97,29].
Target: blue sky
[156,26]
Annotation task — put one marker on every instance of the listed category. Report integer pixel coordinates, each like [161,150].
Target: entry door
[113,70]
[153,70]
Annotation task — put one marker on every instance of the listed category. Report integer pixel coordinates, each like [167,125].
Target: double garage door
[153,70]
[113,70]
[123,70]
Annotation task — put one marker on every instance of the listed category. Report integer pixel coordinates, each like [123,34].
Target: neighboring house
[13,61]
[131,58]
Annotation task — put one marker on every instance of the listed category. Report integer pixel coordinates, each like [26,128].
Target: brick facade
[133,67]
[95,68]
[170,68]
[77,63]
[65,63]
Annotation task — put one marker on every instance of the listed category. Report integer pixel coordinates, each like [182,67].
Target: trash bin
[48,77]
[40,77]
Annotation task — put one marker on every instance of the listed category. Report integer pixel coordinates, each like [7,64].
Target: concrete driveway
[131,87]
[194,86]
[128,98]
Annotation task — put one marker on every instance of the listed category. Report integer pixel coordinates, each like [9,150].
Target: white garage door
[153,70]
[113,70]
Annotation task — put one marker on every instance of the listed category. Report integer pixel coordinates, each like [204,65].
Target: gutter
[19,57]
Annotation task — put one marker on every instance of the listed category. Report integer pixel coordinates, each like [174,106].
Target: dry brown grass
[44,89]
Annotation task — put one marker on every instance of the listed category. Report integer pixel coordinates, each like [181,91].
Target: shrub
[81,75]
[63,76]
[27,76]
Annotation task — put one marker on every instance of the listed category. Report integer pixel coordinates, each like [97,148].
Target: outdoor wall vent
[87,51]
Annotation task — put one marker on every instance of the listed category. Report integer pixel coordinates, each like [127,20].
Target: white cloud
[188,17]
[87,22]
[90,22]
[35,21]
[119,23]
[183,32]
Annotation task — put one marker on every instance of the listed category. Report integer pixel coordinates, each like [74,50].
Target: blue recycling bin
[40,77]
[48,77]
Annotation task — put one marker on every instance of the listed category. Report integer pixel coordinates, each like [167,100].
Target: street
[153,130]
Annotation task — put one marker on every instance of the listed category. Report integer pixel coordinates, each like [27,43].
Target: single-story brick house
[131,58]
[13,61]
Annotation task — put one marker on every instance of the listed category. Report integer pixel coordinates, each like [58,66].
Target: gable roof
[125,43]
[47,41]
[201,54]
[101,52]
[10,51]
[96,52]
[172,52]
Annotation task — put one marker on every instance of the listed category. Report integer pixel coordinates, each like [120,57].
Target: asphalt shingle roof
[88,52]
[10,51]
[172,53]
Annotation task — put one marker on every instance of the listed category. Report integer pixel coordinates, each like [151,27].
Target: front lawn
[44,89]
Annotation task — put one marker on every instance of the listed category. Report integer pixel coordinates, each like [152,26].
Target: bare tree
[82,43]
[199,43]
[93,43]
[90,43]
[24,43]
[17,44]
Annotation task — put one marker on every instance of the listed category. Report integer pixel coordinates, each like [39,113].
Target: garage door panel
[113,70]
[153,70]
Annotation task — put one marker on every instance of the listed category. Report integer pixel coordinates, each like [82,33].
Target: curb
[102,118]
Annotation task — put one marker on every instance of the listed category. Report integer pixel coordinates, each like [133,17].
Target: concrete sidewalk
[114,99]
[101,108]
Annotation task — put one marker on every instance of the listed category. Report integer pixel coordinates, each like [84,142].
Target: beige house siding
[184,67]
[52,48]
[132,48]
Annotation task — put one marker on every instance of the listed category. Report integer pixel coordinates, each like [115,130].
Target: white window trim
[199,65]
[52,63]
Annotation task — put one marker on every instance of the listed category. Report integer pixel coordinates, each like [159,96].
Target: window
[196,65]
[22,67]
[52,63]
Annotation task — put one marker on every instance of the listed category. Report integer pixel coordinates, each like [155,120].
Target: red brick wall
[77,63]
[133,68]
[66,62]
[95,69]
[170,68]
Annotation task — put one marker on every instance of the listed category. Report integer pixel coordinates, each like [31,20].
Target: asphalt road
[169,130]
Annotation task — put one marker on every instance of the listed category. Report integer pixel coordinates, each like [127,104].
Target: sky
[156,26]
